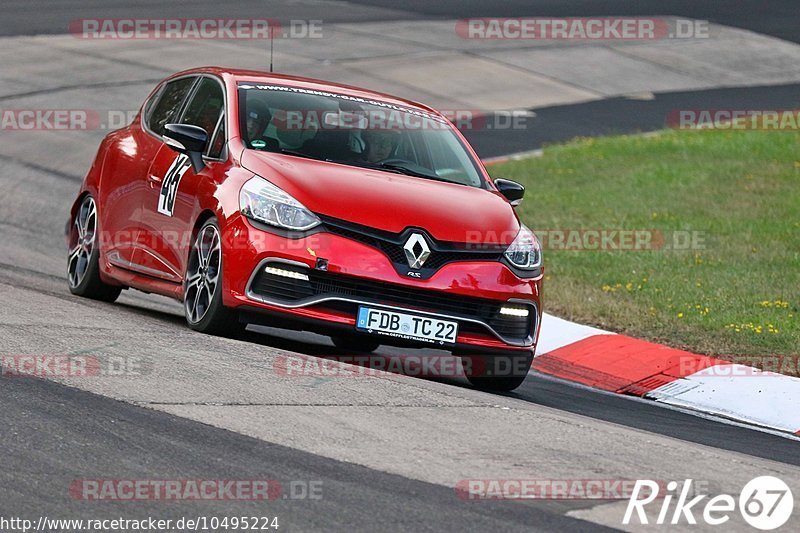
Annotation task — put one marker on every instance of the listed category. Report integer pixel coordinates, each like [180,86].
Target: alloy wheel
[202,273]
[81,251]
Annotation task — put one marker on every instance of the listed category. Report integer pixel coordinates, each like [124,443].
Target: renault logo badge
[417,250]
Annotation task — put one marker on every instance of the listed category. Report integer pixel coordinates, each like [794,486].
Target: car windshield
[354,131]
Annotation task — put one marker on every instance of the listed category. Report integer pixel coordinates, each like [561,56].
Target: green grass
[737,294]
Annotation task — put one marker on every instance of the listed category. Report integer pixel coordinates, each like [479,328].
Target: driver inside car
[379,144]
[258,118]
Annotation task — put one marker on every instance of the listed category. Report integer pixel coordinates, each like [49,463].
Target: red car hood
[389,201]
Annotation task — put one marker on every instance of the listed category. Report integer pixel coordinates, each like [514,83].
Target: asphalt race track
[387,450]
[105,431]
[776,17]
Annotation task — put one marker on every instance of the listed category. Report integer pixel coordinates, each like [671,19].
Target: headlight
[525,252]
[264,202]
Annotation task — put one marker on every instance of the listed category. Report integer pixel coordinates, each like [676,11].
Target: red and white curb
[624,365]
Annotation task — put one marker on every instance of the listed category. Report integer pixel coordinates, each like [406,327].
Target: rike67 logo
[765,503]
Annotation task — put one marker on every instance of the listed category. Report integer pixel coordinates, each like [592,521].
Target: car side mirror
[189,140]
[512,190]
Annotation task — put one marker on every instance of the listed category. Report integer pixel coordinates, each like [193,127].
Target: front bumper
[339,273]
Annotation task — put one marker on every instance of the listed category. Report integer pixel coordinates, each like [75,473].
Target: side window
[169,104]
[217,141]
[205,106]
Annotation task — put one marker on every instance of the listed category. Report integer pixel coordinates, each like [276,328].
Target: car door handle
[154,181]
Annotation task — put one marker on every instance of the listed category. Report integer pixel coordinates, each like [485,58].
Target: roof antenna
[271,44]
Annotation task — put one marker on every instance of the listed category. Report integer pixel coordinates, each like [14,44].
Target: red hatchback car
[296,203]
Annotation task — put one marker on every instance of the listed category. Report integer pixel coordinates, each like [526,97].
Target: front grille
[321,284]
[391,244]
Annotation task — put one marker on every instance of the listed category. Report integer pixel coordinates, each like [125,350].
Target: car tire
[497,373]
[83,258]
[355,343]
[202,286]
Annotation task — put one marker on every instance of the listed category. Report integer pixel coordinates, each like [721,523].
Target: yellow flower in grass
[776,303]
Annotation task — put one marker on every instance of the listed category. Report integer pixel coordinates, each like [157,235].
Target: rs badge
[169,187]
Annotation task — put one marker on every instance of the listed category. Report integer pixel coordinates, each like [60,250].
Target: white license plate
[406,326]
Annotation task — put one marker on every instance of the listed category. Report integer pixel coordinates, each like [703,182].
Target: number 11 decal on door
[169,187]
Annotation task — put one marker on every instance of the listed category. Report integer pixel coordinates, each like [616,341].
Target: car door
[170,206]
[125,170]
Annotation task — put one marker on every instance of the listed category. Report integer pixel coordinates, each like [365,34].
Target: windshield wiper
[400,169]
[397,169]
[411,172]
[389,167]
[365,164]
[301,154]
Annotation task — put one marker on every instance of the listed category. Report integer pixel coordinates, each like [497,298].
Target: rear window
[169,104]
[205,106]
